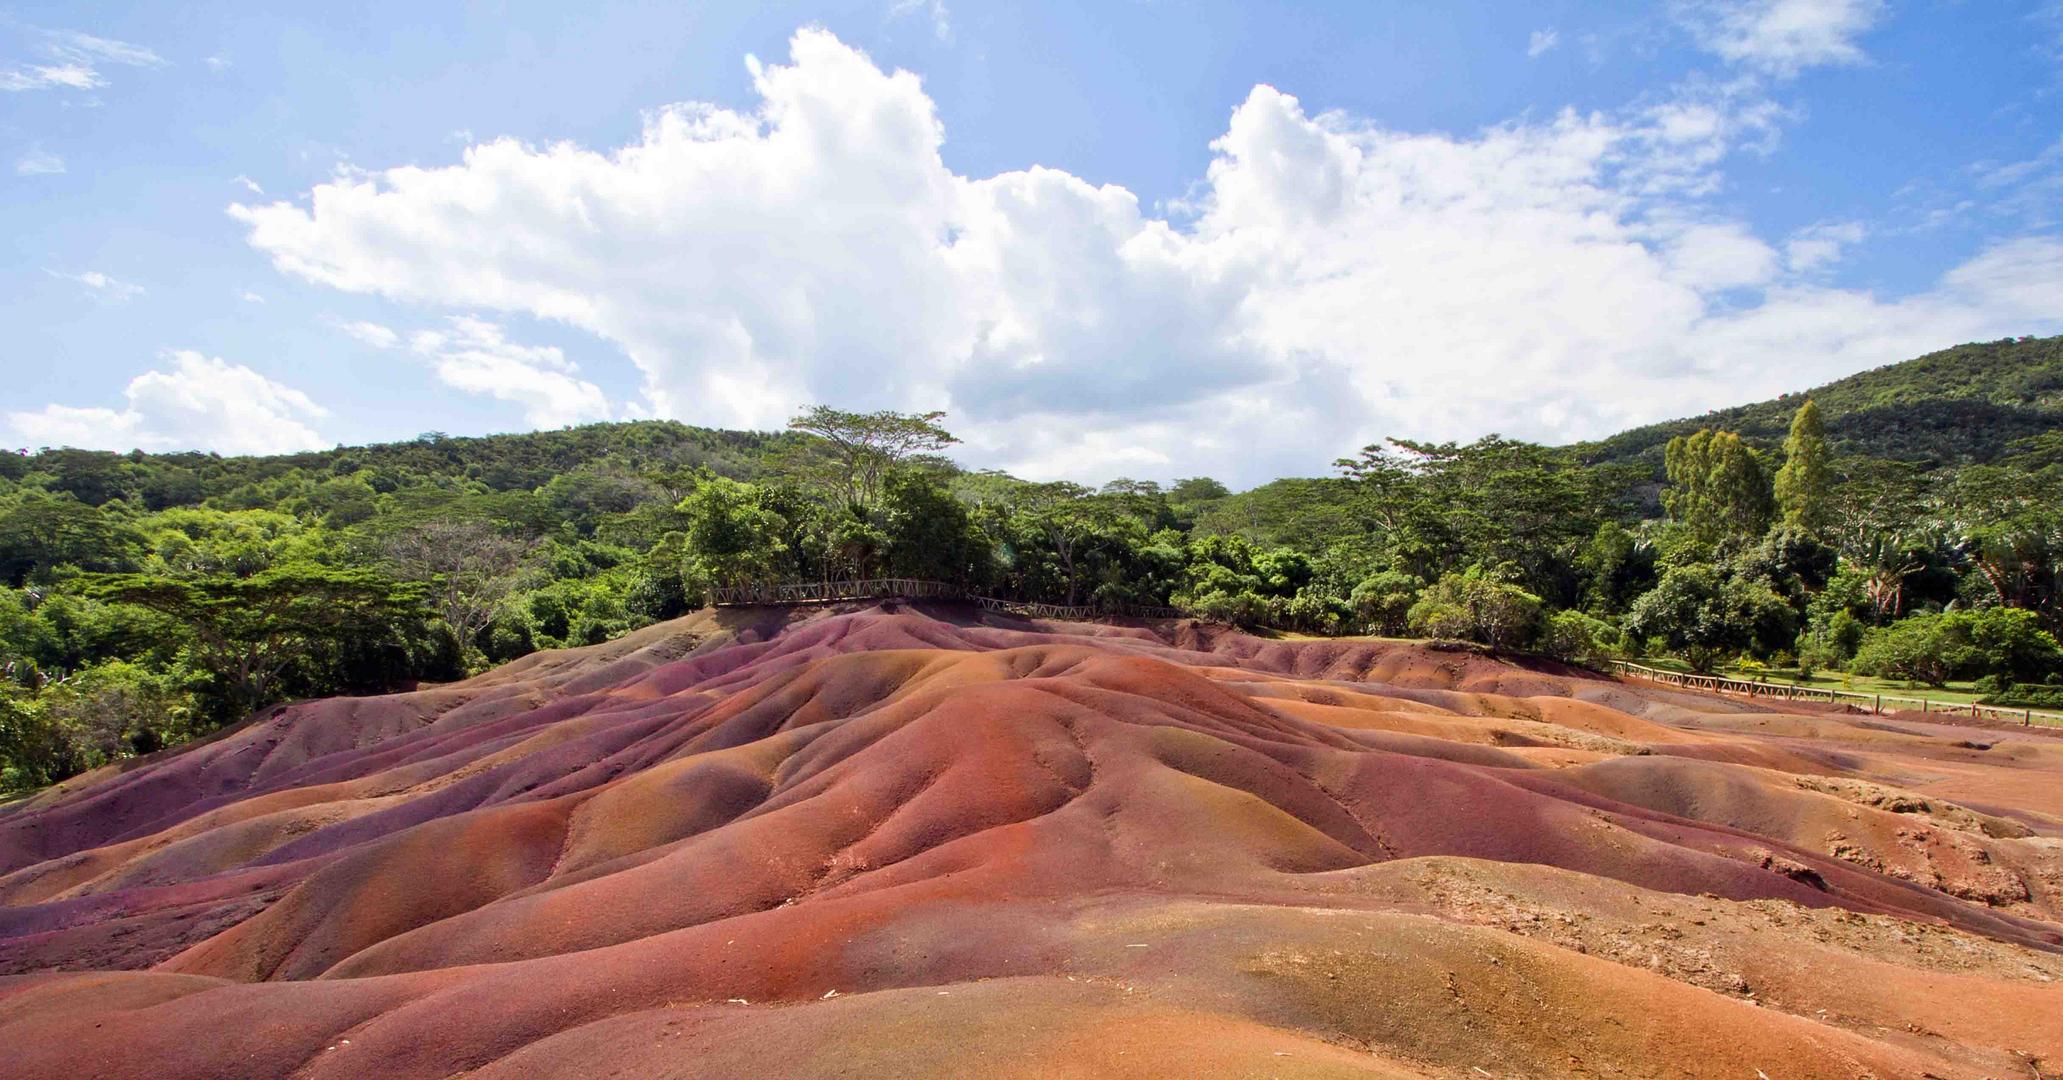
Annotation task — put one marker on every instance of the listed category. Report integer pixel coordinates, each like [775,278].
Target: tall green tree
[1718,490]
[1069,518]
[863,447]
[1804,485]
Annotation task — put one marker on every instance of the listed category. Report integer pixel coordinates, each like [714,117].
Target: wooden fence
[1873,703]
[824,592]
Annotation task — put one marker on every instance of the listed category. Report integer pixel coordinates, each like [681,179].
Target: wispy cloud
[1542,41]
[248,184]
[38,163]
[1817,247]
[371,333]
[101,286]
[941,19]
[1781,37]
[476,356]
[72,61]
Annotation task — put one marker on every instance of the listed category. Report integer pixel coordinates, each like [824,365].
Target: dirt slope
[921,842]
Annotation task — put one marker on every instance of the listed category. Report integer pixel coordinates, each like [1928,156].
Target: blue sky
[1143,238]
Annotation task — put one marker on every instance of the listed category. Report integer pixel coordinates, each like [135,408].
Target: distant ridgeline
[1960,406]
[518,462]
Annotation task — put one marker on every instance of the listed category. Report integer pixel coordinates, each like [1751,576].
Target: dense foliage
[149,599]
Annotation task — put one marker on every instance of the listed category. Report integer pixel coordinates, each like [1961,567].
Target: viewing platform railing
[1872,703]
[826,592]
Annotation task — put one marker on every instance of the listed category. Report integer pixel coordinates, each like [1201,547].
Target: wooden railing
[1873,703]
[825,592]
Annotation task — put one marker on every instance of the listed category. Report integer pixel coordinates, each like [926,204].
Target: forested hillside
[1958,406]
[1906,522]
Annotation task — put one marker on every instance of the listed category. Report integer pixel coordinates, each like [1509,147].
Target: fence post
[1879,707]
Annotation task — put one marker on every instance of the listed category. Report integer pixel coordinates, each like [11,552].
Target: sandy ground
[915,841]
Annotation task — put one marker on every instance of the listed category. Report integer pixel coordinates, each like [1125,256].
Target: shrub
[1473,607]
[2011,643]
[1382,602]
[1314,610]
[2024,696]
[1572,635]
[1238,609]
[1935,647]
[1929,648]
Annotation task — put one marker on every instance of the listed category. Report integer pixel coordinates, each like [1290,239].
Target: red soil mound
[923,842]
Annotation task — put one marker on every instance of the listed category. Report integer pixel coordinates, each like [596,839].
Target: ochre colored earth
[918,841]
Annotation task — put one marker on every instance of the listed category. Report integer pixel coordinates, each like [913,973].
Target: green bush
[2023,695]
[1934,647]
[1472,607]
[1572,635]
[1381,603]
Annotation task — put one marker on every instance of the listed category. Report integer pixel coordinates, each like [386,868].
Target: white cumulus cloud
[202,403]
[1329,281]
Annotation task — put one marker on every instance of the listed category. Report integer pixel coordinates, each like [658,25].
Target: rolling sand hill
[913,841]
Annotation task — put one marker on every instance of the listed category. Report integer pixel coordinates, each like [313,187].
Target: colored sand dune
[922,841]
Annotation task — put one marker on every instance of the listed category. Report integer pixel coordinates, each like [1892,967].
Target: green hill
[1955,407]
[500,463]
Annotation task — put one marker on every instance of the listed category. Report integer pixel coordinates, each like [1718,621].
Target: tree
[1197,489]
[1382,601]
[248,631]
[1698,613]
[865,446]
[928,531]
[1069,519]
[1804,484]
[468,568]
[1616,566]
[39,531]
[733,538]
[1474,607]
[1717,488]
[1934,647]
[1516,506]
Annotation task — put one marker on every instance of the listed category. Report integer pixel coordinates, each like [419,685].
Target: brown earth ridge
[914,840]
